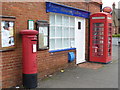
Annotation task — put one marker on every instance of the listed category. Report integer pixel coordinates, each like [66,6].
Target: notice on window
[43,30]
[7,33]
[43,33]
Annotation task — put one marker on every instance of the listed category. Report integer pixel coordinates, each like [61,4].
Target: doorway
[80,40]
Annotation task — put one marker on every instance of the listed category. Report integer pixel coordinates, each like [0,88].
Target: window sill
[51,51]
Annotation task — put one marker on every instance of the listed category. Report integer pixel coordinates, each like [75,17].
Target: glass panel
[72,32]
[58,32]
[52,19]
[109,38]
[52,44]
[45,41]
[97,51]
[109,24]
[98,41]
[45,30]
[66,21]
[98,24]
[66,43]
[58,20]
[52,31]
[72,21]
[58,44]
[98,37]
[72,42]
[66,32]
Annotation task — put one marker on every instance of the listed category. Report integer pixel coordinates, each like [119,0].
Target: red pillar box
[29,42]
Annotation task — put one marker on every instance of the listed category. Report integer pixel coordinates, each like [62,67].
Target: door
[80,40]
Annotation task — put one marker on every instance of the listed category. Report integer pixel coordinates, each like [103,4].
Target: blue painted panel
[62,9]
[71,56]
[62,50]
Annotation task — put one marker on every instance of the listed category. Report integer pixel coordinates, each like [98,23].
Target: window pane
[66,21]
[72,43]
[72,21]
[66,43]
[58,32]
[58,20]
[45,41]
[52,31]
[72,32]
[52,19]
[58,44]
[52,44]
[66,32]
[98,24]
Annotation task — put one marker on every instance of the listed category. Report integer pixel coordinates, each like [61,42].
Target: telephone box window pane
[98,17]
[98,37]
[109,38]
[109,24]
[98,24]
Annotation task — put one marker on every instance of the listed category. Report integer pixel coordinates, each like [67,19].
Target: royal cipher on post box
[100,37]
[29,42]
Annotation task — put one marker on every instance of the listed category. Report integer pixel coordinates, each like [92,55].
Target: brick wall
[47,62]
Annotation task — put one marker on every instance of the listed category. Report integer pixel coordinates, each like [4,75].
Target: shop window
[62,32]
[7,34]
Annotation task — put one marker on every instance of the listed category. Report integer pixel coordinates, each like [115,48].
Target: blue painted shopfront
[62,9]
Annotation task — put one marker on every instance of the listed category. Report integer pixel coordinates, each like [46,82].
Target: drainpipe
[88,39]
[100,7]
[88,32]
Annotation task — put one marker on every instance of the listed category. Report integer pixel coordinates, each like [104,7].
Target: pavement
[80,77]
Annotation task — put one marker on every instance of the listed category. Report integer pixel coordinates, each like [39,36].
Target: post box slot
[33,40]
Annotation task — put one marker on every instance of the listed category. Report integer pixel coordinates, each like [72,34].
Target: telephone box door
[100,37]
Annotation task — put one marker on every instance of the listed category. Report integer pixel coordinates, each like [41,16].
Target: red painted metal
[29,39]
[100,37]
[107,9]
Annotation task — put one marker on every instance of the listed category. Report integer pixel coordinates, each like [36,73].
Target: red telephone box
[101,37]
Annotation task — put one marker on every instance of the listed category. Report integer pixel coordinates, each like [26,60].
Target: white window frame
[71,43]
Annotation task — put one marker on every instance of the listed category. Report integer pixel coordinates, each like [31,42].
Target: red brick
[46,62]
